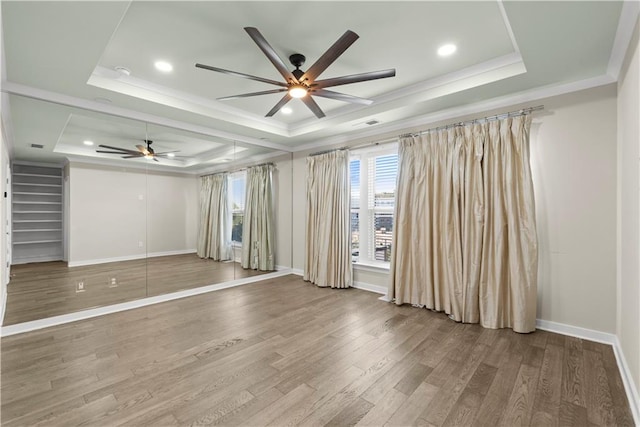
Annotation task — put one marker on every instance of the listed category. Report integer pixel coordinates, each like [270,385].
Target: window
[237,190]
[373,194]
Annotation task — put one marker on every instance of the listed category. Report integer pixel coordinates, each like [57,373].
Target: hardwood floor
[46,289]
[284,352]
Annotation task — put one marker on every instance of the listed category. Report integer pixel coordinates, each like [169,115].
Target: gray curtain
[258,223]
[465,234]
[328,240]
[214,232]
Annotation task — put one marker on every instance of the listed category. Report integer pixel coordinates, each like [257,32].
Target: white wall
[573,151]
[628,322]
[4,226]
[117,213]
[282,180]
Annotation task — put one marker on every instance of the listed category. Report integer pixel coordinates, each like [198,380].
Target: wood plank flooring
[284,352]
[46,289]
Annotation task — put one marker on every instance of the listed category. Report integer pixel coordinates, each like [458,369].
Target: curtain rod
[238,170]
[514,113]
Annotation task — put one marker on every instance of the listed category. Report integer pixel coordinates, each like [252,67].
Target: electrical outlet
[80,286]
[112,282]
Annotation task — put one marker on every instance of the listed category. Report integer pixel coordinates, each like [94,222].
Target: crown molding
[460,111]
[85,104]
[624,33]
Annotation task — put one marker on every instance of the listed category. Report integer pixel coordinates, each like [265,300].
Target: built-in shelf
[31,184]
[44,242]
[40,175]
[37,194]
[34,242]
[36,203]
[32,212]
[19,221]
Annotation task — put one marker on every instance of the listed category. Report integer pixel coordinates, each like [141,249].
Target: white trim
[576,331]
[624,33]
[130,257]
[507,24]
[297,271]
[460,111]
[381,269]
[606,338]
[72,101]
[370,288]
[627,380]
[20,328]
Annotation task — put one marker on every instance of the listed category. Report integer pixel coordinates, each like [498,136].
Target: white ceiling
[66,52]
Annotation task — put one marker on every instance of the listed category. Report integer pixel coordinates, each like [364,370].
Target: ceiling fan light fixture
[298,91]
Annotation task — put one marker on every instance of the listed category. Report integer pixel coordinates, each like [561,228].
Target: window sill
[374,268]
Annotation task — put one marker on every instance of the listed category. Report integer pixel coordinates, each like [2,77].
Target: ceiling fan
[143,151]
[304,84]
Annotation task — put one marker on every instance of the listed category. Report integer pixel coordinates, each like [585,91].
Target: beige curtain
[465,235]
[258,223]
[328,240]
[214,232]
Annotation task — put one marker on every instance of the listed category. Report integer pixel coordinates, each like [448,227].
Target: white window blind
[237,190]
[373,189]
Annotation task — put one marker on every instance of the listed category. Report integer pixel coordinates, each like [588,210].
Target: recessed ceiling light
[447,49]
[286,110]
[123,70]
[171,155]
[163,66]
[87,142]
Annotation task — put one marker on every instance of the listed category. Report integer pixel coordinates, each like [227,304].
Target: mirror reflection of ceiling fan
[304,84]
[143,151]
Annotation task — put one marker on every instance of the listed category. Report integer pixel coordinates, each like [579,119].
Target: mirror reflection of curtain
[214,232]
[258,223]
[465,233]
[328,230]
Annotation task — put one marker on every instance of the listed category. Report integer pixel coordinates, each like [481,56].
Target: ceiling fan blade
[142,149]
[133,155]
[309,102]
[121,150]
[167,152]
[354,78]
[245,95]
[330,56]
[237,74]
[341,97]
[110,152]
[271,54]
[279,105]
[156,160]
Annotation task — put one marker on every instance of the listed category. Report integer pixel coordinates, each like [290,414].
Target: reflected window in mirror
[238,183]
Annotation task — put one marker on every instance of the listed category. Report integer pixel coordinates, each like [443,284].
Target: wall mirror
[92,229]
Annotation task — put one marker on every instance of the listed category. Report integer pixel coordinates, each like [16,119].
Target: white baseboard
[129,257]
[371,288]
[20,328]
[297,271]
[606,338]
[576,331]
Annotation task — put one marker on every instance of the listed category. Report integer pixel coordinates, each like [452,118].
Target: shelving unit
[37,220]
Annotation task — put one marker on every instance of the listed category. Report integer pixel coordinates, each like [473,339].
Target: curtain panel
[258,223]
[328,215]
[214,231]
[465,235]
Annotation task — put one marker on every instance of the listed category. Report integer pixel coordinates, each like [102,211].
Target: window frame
[234,177]
[366,214]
